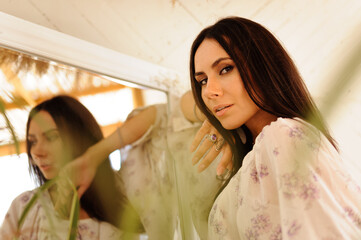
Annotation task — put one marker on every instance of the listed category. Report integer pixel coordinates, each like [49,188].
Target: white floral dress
[42,223]
[151,184]
[146,177]
[292,185]
[197,191]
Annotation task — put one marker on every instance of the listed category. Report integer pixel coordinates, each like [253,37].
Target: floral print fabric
[146,178]
[197,190]
[147,175]
[292,185]
[42,223]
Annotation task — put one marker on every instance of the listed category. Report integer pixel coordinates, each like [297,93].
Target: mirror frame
[39,41]
[23,36]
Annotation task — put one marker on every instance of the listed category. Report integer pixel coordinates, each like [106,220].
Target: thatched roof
[26,80]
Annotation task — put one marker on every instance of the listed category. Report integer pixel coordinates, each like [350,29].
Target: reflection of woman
[156,138]
[59,130]
[288,181]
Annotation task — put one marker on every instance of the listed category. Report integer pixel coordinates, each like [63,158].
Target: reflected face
[222,88]
[46,146]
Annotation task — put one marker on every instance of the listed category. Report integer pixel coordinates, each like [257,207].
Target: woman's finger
[64,193]
[226,160]
[205,128]
[208,158]
[203,148]
[230,165]
[81,190]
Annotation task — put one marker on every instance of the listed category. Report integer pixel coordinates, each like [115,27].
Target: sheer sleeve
[292,185]
[146,178]
[300,171]
[159,123]
[8,228]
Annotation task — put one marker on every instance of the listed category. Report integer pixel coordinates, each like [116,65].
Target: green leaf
[10,127]
[74,214]
[32,201]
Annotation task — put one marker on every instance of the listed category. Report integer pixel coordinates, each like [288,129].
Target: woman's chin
[230,126]
[50,175]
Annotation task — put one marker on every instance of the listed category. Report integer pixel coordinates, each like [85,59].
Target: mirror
[38,41]
[38,63]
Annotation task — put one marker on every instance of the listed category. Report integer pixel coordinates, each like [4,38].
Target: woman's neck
[53,196]
[259,121]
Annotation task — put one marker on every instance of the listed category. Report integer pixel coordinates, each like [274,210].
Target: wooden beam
[138,100]
[74,93]
[9,149]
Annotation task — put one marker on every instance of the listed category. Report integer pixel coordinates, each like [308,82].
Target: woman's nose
[39,150]
[213,88]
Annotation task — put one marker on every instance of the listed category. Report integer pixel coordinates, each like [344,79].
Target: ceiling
[320,35]
[315,33]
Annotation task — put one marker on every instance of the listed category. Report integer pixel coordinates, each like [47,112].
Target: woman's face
[46,146]
[222,88]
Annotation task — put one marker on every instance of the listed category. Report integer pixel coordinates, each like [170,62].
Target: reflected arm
[83,169]
[193,114]
[130,131]
[189,108]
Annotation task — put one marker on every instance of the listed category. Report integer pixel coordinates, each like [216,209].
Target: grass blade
[10,126]
[32,201]
[74,215]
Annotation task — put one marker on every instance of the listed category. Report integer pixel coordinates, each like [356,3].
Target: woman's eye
[52,137]
[203,82]
[226,69]
[31,142]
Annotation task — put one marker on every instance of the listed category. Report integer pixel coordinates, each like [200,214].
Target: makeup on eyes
[224,63]
[50,135]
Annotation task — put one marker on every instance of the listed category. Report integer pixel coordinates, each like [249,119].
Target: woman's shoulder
[24,198]
[18,204]
[288,142]
[289,129]
[289,124]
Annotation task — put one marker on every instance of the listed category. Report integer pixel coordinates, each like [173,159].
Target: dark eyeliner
[228,68]
[200,82]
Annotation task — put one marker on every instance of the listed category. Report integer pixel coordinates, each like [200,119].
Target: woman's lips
[221,110]
[46,167]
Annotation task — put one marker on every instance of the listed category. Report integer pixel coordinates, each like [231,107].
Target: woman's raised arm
[82,170]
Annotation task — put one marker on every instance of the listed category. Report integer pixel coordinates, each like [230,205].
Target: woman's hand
[215,142]
[80,173]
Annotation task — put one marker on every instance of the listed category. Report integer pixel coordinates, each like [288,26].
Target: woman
[288,181]
[158,139]
[59,130]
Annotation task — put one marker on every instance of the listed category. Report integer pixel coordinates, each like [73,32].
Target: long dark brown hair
[79,130]
[269,76]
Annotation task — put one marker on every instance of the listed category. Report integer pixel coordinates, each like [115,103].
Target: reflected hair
[269,75]
[78,131]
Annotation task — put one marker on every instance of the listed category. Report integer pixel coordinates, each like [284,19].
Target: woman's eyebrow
[213,64]
[45,133]
[50,131]
[219,60]
[198,73]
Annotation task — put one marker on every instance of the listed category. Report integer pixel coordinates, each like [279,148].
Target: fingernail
[201,167]
[191,149]
[195,159]
[220,171]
